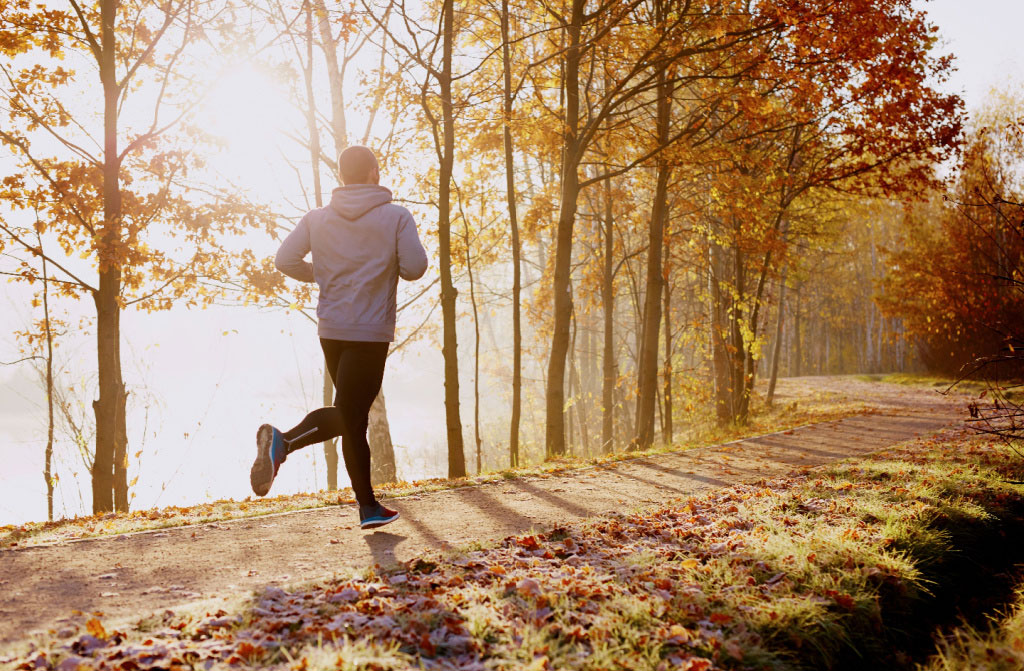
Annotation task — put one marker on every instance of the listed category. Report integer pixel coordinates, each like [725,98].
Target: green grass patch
[829,569]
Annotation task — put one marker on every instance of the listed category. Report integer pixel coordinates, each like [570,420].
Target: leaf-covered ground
[788,573]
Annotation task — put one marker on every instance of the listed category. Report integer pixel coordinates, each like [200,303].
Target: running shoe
[270,454]
[376,515]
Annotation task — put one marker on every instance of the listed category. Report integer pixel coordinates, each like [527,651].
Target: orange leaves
[95,628]
[528,542]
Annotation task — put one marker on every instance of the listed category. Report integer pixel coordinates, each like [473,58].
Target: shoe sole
[378,523]
[261,476]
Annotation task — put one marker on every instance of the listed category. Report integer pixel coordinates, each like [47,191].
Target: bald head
[358,165]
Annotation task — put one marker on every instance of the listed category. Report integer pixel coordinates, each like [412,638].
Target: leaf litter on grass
[788,573]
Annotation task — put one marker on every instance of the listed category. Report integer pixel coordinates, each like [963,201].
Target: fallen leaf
[95,627]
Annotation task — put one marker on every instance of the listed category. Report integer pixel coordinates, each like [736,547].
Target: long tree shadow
[510,519]
[677,473]
[789,446]
[706,479]
[382,546]
[561,503]
[687,491]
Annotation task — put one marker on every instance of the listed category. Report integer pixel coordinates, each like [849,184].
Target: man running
[361,245]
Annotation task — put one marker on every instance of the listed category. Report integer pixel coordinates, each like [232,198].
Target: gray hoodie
[361,245]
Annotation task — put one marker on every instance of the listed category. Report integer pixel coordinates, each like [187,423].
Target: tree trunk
[562,309]
[510,191]
[329,45]
[330,446]
[608,304]
[382,451]
[798,367]
[476,350]
[719,346]
[666,431]
[777,345]
[48,454]
[647,361]
[579,394]
[449,348]
[109,408]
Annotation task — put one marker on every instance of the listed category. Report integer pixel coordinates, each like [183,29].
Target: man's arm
[412,259]
[289,259]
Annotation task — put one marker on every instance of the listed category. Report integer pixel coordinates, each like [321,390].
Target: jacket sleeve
[412,259]
[289,259]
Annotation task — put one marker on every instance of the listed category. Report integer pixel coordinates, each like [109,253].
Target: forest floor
[215,565]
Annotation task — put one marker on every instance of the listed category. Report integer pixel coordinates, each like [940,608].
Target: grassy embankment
[813,408]
[998,647]
[847,566]
[1011,389]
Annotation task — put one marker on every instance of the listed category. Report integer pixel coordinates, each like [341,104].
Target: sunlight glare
[249,110]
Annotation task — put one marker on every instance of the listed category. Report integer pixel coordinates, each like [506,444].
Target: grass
[1010,388]
[807,572]
[998,647]
[817,407]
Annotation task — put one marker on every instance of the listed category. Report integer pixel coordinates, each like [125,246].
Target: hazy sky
[200,394]
[985,36]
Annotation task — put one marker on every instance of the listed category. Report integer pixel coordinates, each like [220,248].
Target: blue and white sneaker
[376,515]
[270,454]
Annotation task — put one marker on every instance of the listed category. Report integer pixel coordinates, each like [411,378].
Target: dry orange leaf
[95,627]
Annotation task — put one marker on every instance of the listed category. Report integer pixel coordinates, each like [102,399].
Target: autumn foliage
[957,280]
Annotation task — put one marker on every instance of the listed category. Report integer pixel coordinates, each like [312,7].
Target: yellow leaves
[689,563]
[95,628]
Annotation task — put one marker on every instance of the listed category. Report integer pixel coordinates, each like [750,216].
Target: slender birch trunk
[510,191]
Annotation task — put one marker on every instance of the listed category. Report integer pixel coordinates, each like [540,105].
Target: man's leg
[273,447]
[357,380]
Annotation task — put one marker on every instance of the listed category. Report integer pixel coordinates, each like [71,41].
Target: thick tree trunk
[510,191]
[109,408]
[449,348]
[608,304]
[722,338]
[562,309]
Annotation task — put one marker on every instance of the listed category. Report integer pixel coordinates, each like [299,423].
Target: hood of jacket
[355,200]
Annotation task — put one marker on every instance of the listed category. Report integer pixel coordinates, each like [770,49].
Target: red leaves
[844,600]
[528,542]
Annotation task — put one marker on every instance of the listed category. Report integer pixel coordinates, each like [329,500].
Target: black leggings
[357,369]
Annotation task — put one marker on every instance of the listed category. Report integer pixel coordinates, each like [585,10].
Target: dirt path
[134,575]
